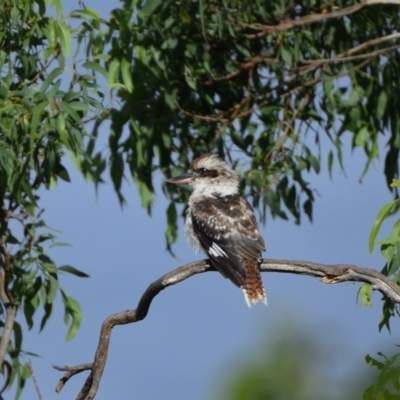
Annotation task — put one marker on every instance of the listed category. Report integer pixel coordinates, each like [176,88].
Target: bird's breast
[190,234]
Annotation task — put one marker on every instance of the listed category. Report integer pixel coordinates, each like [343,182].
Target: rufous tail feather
[253,287]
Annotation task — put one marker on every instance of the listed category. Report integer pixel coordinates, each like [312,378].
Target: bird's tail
[253,287]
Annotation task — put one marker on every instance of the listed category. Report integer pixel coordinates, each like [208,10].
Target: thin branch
[56,53]
[351,58]
[328,274]
[308,67]
[207,118]
[21,219]
[372,42]
[309,19]
[70,372]
[231,114]
[248,64]
[35,381]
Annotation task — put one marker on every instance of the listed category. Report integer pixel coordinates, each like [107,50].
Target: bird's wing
[227,231]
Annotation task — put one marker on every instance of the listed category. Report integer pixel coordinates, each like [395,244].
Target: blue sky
[195,329]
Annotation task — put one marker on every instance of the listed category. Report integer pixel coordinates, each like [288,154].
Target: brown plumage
[253,287]
[222,223]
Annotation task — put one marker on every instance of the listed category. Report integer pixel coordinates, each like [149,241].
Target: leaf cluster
[43,106]
[263,84]
[390,250]
[388,383]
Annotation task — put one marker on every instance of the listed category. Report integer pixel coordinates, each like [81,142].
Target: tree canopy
[261,83]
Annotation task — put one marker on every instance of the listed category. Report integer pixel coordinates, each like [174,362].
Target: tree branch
[288,24]
[70,372]
[56,53]
[328,274]
[35,382]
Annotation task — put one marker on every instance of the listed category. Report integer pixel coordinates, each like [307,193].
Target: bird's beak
[181,179]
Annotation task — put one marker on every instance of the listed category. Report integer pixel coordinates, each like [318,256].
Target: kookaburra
[222,222]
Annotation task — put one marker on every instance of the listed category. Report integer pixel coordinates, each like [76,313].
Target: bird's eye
[203,170]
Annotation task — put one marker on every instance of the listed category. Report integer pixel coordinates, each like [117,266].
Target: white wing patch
[216,251]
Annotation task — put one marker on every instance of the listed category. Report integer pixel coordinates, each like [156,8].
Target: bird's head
[209,175]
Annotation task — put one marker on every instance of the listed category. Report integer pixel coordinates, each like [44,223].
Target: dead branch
[328,274]
[35,382]
[70,372]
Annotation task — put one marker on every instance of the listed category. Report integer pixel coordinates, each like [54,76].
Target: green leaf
[58,6]
[62,172]
[146,196]
[364,294]
[383,213]
[36,120]
[64,34]
[48,309]
[30,307]
[201,13]
[17,335]
[73,271]
[395,183]
[69,110]
[87,12]
[50,78]
[74,310]
[95,67]
[388,312]
[126,74]
[287,56]
[149,7]
[314,163]
[373,362]
[60,123]
[113,70]
[52,289]
[330,162]
[381,104]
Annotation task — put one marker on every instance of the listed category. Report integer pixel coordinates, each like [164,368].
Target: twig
[207,118]
[56,53]
[308,19]
[70,372]
[341,58]
[372,42]
[248,64]
[20,219]
[35,381]
[328,274]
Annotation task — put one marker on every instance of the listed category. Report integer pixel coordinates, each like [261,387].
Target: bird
[222,223]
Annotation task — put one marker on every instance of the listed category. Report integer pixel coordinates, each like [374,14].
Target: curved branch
[328,274]
[70,372]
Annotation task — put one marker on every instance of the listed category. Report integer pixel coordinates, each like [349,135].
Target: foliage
[292,362]
[42,111]
[265,84]
[390,250]
[388,384]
